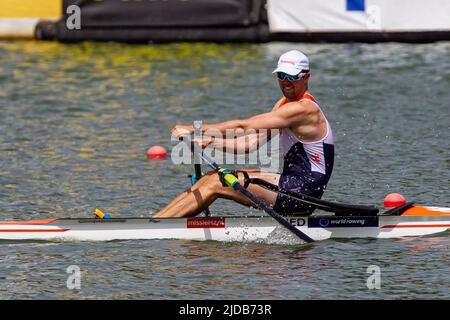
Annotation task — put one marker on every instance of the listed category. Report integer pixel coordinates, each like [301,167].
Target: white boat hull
[230,229]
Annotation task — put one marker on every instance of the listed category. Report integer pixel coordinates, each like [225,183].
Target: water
[76,121]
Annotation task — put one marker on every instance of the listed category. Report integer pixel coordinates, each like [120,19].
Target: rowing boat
[349,221]
[414,221]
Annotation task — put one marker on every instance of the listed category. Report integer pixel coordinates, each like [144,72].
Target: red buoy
[156,152]
[394,200]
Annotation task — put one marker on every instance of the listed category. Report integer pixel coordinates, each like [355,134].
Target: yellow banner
[50,9]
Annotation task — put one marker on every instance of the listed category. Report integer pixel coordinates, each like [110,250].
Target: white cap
[292,62]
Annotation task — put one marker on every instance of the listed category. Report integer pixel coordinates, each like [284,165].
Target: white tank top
[307,157]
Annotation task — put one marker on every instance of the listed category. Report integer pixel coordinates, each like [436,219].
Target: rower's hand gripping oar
[229,179]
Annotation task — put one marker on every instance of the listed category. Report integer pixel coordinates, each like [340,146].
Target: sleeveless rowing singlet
[307,166]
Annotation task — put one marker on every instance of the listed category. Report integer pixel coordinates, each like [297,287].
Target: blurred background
[226,20]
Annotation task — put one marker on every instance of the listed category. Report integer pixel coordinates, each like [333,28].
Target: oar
[231,181]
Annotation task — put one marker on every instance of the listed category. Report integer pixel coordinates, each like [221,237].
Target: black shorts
[312,185]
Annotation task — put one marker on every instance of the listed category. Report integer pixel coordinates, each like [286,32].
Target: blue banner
[356,5]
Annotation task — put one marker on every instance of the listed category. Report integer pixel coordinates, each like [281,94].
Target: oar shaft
[274,215]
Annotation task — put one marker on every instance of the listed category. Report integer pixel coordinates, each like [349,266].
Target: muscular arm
[294,114]
[291,114]
[243,144]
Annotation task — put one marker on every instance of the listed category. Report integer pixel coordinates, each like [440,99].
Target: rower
[306,141]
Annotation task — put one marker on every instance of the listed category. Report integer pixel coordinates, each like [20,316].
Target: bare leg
[195,199]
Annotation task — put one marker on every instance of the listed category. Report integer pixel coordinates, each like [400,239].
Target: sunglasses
[281,76]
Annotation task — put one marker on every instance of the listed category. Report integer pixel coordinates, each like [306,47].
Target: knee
[214,182]
[213,179]
[210,180]
[211,174]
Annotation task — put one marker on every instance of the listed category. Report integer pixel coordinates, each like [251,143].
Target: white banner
[358,15]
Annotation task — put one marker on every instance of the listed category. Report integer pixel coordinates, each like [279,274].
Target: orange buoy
[393,200]
[156,152]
